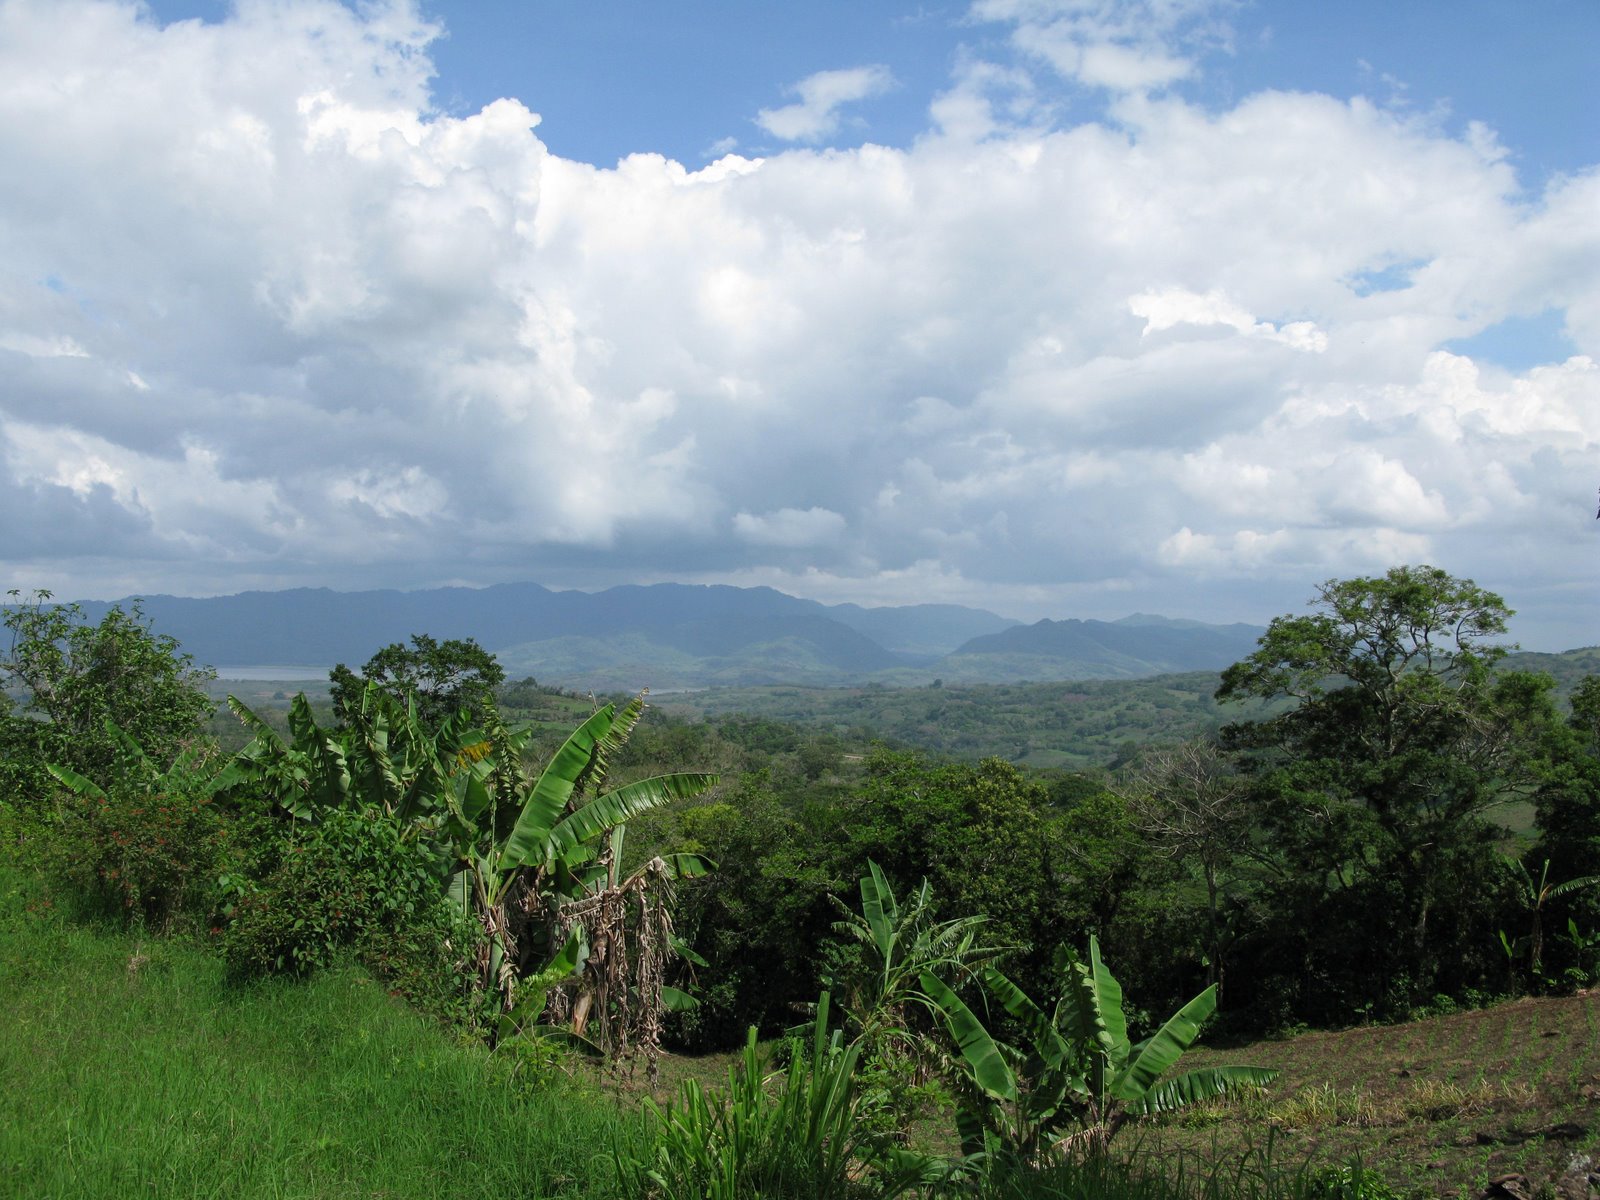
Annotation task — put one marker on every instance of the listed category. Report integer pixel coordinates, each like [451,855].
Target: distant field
[1079,725]
[1082,725]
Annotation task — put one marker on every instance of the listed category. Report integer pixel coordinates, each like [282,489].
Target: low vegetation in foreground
[131,1067]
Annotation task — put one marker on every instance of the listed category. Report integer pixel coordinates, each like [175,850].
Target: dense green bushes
[145,857]
[75,677]
[306,895]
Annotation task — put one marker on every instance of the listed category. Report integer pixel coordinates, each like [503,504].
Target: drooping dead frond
[619,1002]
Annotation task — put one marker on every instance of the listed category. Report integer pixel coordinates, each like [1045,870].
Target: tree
[1568,800]
[444,677]
[1399,738]
[977,832]
[1193,805]
[78,676]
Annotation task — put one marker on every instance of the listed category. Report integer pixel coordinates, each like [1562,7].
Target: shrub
[76,677]
[1351,1182]
[349,884]
[145,857]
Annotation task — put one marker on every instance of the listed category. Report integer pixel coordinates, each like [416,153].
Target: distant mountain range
[679,635]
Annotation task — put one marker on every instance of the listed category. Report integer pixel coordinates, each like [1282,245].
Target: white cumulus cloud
[268,317]
[1119,45]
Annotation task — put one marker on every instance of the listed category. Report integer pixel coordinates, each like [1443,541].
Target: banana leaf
[1046,1039]
[1164,1048]
[73,782]
[616,807]
[530,837]
[686,952]
[1092,1005]
[678,1000]
[687,866]
[879,908]
[1198,1085]
[985,1062]
[614,738]
[263,733]
[132,754]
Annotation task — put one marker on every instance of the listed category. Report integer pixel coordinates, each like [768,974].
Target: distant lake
[273,674]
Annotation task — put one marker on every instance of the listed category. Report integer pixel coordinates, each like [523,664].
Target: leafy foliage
[349,883]
[534,861]
[1077,1067]
[887,1012]
[1374,786]
[1533,897]
[808,1141]
[900,944]
[75,677]
[145,847]
[442,677]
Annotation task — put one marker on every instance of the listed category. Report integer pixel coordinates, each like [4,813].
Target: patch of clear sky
[626,76]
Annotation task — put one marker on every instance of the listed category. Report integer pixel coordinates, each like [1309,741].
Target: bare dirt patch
[1444,1105]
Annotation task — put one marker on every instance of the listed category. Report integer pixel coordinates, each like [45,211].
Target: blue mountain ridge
[695,634]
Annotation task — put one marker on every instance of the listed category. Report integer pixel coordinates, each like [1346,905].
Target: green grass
[130,1068]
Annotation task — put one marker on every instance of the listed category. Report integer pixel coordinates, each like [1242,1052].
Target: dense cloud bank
[268,318]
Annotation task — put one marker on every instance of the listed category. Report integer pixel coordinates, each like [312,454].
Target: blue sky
[1055,307]
[617,78]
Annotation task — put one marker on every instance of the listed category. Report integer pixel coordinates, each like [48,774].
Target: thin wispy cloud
[817,113]
[1119,45]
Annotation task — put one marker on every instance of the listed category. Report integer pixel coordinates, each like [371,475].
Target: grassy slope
[132,1069]
[1444,1104]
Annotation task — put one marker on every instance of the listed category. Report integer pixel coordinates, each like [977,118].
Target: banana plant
[1533,897]
[1078,1078]
[538,855]
[552,856]
[552,843]
[386,758]
[899,942]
